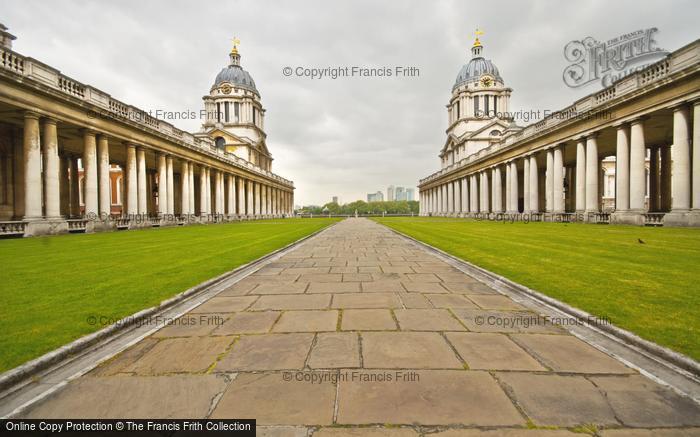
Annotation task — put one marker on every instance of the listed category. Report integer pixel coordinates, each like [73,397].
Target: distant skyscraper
[410,194]
[375,197]
[399,194]
[335,199]
[390,196]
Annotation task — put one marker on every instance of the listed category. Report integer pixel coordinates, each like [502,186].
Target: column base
[689,218]
[45,226]
[635,218]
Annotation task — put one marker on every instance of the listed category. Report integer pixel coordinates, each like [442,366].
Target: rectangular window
[255,111]
[457,106]
[486,105]
[495,105]
[236,112]
[218,112]
[476,106]
[226,112]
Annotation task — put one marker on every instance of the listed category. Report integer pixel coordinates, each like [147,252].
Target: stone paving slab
[273,401]
[566,353]
[559,400]
[257,322]
[306,346]
[134,397]
[408,350]
[307,321]
[487,351]
[267,352]
[436,398]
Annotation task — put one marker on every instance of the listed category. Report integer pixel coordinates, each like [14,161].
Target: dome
[474,69]
[237,77]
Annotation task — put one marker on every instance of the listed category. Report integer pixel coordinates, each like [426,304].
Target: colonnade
[541,181]
[53,191]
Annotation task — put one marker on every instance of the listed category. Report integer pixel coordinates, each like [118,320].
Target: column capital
[682,105]
[49,120]
[88,131]
[638,120]
[31,114]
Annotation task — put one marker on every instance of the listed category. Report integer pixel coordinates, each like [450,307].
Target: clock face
[486,81]
[226,89]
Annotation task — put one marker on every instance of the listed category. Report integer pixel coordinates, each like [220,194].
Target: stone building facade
[73,158]
[629,153]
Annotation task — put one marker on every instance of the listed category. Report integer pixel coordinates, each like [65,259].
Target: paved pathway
[358,332]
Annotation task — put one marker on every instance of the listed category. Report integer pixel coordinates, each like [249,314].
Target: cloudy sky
[348,136]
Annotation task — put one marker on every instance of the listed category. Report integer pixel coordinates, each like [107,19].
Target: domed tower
[235,117]
[478,110]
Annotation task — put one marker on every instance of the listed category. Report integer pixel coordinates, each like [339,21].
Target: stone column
[231,193]
[638,177]
[549,182]
[514,187]
[258,199]
[696,156]
[465,195]
[141,185]
[681,160]
[534,185]
[249,205]
[74,187]
[270,211]
[241,196]
[171,184]
[217,190]
[526,183]
[210,203]
[192,189]
[162,184]
[457,196]
[263,200]
[509,208]
[558,178]
[185,188]
[32,167]
[498,190]
[90,173]
[622,169]
[487,191]
[592,174]
[474,191]
[131,182]
[203,210]
[104,188]
[580,175]
[52,193]
[450,198]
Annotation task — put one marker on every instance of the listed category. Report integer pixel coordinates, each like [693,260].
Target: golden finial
[478,32]
[236,42]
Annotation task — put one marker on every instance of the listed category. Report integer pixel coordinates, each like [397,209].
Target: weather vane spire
[235,41]
[477,33]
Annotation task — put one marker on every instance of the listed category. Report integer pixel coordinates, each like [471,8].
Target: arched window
[495,133]
[220,143]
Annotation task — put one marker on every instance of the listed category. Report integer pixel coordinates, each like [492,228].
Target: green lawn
[651,289]
[51,285]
